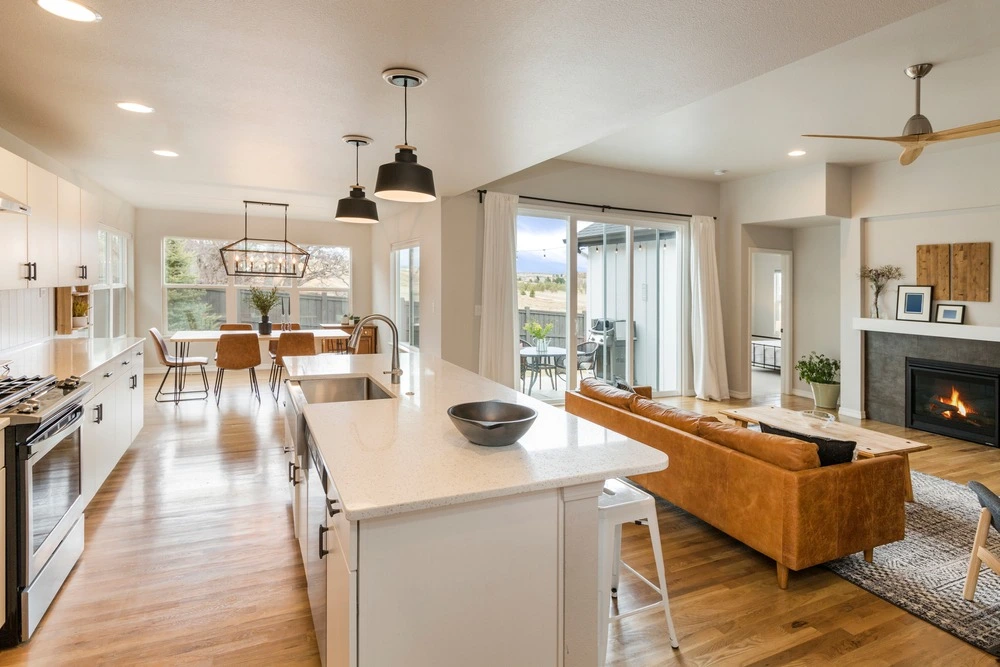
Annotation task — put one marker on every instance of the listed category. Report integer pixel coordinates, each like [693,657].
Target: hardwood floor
[190,560]
[189,553]
[727,607]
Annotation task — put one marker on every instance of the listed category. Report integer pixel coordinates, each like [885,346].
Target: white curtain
[498,349]
[707,343]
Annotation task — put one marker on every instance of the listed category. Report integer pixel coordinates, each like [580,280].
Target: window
[109,298]
[199,294]
[406,293]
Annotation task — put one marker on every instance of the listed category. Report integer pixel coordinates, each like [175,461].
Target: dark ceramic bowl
[492,423]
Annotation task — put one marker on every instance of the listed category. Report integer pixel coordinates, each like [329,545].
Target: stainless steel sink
[340,390]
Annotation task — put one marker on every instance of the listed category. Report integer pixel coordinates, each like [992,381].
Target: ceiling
[255,94]
[857,87]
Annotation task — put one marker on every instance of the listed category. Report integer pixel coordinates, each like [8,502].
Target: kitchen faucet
[354,342]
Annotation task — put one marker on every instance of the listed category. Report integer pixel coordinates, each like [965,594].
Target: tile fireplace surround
[885,366]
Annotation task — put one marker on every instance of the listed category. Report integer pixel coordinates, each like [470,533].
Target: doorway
[770,354]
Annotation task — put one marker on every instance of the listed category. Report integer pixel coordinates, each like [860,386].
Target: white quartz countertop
[63,357]
[402,454]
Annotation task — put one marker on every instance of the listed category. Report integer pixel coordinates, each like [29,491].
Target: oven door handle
[53,435]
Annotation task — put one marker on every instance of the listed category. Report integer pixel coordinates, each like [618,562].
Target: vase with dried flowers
[878,277]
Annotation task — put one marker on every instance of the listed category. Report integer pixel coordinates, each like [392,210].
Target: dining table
[182,340]
[542,360]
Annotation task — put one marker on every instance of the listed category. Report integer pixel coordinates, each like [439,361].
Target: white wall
[404,223]
[815,295]
[949,194]
[153,225]
[765,265]
[462,229]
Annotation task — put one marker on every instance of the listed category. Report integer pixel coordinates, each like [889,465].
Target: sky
[541,246]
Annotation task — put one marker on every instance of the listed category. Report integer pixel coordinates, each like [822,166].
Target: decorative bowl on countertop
[492,423]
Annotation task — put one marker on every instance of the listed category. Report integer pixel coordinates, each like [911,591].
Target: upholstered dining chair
[272,345]
[989,515]
[235,327]
[176,364]
[237,352]
[290,344]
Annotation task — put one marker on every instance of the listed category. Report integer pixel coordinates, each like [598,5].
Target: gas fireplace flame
[954,405]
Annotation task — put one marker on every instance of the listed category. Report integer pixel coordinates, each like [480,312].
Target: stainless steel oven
[52,476]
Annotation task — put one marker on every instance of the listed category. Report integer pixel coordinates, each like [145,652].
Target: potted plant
[540,335]
[263,301]
[81,307]
[878,277]
[822,373]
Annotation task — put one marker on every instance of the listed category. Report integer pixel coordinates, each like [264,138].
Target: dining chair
[235,327]
[237,351]
[272,345]
[177,364]
[290,344]
[989,515]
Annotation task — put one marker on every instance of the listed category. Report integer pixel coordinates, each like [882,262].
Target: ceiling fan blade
[964,132]
[902,140]
[909,154]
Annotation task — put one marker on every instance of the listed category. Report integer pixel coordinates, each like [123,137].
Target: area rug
[925,572]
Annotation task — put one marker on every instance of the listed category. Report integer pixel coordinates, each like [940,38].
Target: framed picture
[913,303]
[949,313]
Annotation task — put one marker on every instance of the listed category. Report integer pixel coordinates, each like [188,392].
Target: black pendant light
[403,179]
[357,207]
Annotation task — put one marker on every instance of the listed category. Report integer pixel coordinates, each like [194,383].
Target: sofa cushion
[680,419]
[787,453]
[831,452]
[605,393]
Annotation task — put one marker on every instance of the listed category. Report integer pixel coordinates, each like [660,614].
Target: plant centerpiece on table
[823,375]
[878,277]
[540,334]
[264,301]
[81,308]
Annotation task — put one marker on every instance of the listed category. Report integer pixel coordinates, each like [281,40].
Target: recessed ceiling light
[721,172]
[68,9]
[164,153]
[796,153]
[134,107]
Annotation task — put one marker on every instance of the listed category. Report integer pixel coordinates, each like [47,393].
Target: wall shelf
[938,329]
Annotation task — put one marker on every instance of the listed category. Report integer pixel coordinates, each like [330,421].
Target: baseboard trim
[854,414]
[804,393]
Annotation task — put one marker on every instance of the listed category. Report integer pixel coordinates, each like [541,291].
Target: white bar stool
[619,504]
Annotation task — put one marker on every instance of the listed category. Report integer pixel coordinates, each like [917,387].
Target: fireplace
[957,400]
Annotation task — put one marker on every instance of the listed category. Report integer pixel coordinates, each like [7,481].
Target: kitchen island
[433,551]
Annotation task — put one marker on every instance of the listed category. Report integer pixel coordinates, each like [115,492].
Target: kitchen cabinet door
[317,538]
[123,414]
[70,272]
[342,608]
[43,230]
[91,438]
[137,404]
[13,226]
[3,543]
[91,216]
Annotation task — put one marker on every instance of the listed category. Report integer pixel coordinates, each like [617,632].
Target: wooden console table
[870,443]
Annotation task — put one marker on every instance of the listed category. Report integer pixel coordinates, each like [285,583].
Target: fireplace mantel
[964,331]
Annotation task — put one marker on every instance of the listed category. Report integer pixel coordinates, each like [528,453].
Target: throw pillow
[831,452]
[601,391]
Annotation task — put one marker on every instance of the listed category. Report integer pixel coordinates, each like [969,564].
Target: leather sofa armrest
[644,391]
[839,510]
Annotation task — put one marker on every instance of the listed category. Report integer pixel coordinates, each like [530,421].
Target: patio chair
[989,515]
[586,359]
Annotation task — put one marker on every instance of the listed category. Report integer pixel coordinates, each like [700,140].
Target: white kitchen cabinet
[13,226]
[43,230]
[3,543]
[97,442]
[91,215]
[70,266]
[137,413]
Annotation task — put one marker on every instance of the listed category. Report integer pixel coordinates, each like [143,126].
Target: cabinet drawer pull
[138,354]
[292,477]
[330,502]
[109,374]
[126,362]
[322,531]
[99,409]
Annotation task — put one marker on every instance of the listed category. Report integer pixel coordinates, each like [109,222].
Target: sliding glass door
[624,283]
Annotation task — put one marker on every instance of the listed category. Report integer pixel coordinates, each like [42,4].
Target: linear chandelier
[272,258]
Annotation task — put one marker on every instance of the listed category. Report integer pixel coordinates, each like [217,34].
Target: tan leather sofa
[767,491]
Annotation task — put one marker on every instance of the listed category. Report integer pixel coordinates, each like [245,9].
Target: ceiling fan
[917,133]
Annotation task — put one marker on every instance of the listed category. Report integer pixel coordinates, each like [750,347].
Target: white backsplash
[26,316]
